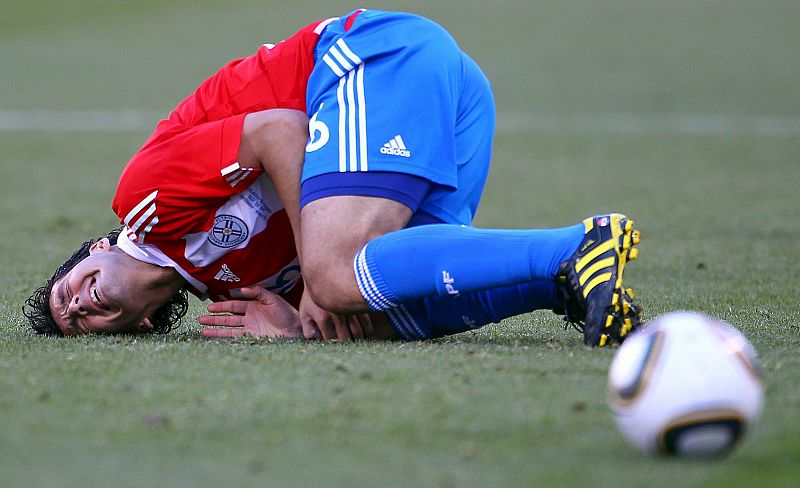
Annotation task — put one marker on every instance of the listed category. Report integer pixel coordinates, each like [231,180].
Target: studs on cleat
[636,237]
[630,293]
[626,307]
[628,225]
[627,326]
[633,254]
[603,340]
[609,321]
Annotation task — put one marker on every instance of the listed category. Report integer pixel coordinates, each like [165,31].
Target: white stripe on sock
[366,285]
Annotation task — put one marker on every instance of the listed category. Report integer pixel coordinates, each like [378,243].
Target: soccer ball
[685,384]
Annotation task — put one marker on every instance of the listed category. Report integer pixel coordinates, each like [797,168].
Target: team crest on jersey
[228,231]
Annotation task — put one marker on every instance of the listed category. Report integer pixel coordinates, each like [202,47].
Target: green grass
[517,404]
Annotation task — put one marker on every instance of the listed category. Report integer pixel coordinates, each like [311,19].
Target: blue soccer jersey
[394,93]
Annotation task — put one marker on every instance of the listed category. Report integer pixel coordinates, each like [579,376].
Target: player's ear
[145,326]
[102,245]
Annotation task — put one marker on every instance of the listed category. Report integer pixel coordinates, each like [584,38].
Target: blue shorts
[395,93]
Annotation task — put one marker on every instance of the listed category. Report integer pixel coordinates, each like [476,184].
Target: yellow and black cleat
[590,282]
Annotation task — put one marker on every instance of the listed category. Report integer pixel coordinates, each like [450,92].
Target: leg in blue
[438,316]
[449,260]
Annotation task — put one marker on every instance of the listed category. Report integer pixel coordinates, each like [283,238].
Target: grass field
[686,115]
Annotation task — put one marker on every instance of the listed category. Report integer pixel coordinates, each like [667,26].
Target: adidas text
[393,151]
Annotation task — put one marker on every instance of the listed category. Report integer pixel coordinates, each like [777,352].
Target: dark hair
[37,306]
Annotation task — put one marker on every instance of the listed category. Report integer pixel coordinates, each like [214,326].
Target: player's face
[101,295]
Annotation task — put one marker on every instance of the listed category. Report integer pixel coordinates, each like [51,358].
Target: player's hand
[318,323]
[259,313]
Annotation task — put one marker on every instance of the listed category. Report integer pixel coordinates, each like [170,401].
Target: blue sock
[448,260]
[438,316]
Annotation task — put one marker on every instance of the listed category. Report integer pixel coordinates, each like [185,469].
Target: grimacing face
[104,293]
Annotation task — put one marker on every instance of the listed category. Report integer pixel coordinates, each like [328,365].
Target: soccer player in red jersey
[202,208]
[388,172]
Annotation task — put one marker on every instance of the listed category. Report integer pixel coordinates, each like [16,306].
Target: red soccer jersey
[186,203]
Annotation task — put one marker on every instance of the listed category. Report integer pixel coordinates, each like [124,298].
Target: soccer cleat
[590,282]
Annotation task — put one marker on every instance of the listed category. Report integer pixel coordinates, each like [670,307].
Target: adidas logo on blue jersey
[396,147]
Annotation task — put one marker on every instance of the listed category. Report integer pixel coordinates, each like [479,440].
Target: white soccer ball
[685,384]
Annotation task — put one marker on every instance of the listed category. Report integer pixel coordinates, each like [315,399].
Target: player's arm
[262,313]
[275,141]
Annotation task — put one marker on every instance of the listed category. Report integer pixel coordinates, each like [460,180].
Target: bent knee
[333,287]
[329,246]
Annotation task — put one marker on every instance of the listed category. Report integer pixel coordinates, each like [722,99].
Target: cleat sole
[628,225]
[625,315]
